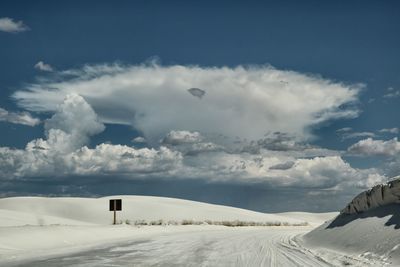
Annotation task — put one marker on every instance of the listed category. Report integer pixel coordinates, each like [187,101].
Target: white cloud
[64,151]
[76,118]
[23,118]
[203,147]
[245,102]
[278,143]
[9,25]
[68,130]
[390,130]
[281,142]
[124,160]
[392,93]
[43,66]
[330,172]
[282,166]
[371,147]
[189,143]
[139,139]
[182,137]
[349,135]
[344,130]
[392,167]
[46,158]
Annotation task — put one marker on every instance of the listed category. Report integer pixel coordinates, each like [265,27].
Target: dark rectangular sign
[115,204]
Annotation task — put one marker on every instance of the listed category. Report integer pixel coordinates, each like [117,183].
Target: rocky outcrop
[379,195]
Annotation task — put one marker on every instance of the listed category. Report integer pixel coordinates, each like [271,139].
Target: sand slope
[373,234]
[82,211]
[38,227]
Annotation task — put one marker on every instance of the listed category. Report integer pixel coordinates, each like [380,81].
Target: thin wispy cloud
[23,118]
[390,130]
[43,66]
[344,130]
[12,26]
[348,133]
[139,140]
[392,93]
[354,135]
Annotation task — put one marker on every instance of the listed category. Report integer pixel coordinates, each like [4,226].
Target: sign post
[115,204]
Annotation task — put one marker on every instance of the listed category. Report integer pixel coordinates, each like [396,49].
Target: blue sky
[301,100]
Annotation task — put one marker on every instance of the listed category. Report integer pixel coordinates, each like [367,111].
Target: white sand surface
[367,229]
[314,219]
[373,235]
[39,231]
[75,211]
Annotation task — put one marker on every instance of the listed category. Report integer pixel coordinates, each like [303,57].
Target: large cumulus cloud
[64,152]
[281,170]
[74,123]
[180,155]
[372,147]
[242,101]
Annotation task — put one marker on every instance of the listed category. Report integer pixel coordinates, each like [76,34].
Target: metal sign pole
[115,212]
[115,204]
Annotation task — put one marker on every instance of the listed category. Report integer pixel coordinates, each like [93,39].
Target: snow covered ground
[78,232]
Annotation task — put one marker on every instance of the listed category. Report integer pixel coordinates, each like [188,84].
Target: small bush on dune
[187,222]
[158,222]
[140,222]
[173,223]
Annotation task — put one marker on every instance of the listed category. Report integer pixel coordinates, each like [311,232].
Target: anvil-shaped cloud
[242,101]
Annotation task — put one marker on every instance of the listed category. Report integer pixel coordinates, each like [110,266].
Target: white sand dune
[314,219]
[77,211]
[372,235]
[37,228]
[368,228]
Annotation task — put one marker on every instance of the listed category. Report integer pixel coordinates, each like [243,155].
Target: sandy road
[272,246]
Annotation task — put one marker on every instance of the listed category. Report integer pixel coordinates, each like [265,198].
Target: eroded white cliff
[379,195]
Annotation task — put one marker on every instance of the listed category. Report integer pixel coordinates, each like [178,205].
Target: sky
[265,105]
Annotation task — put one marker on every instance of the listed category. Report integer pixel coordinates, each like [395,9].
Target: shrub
[235,223]
[140,222]
[187,222]
[158,222]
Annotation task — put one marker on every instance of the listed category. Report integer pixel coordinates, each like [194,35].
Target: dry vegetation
[235,223]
